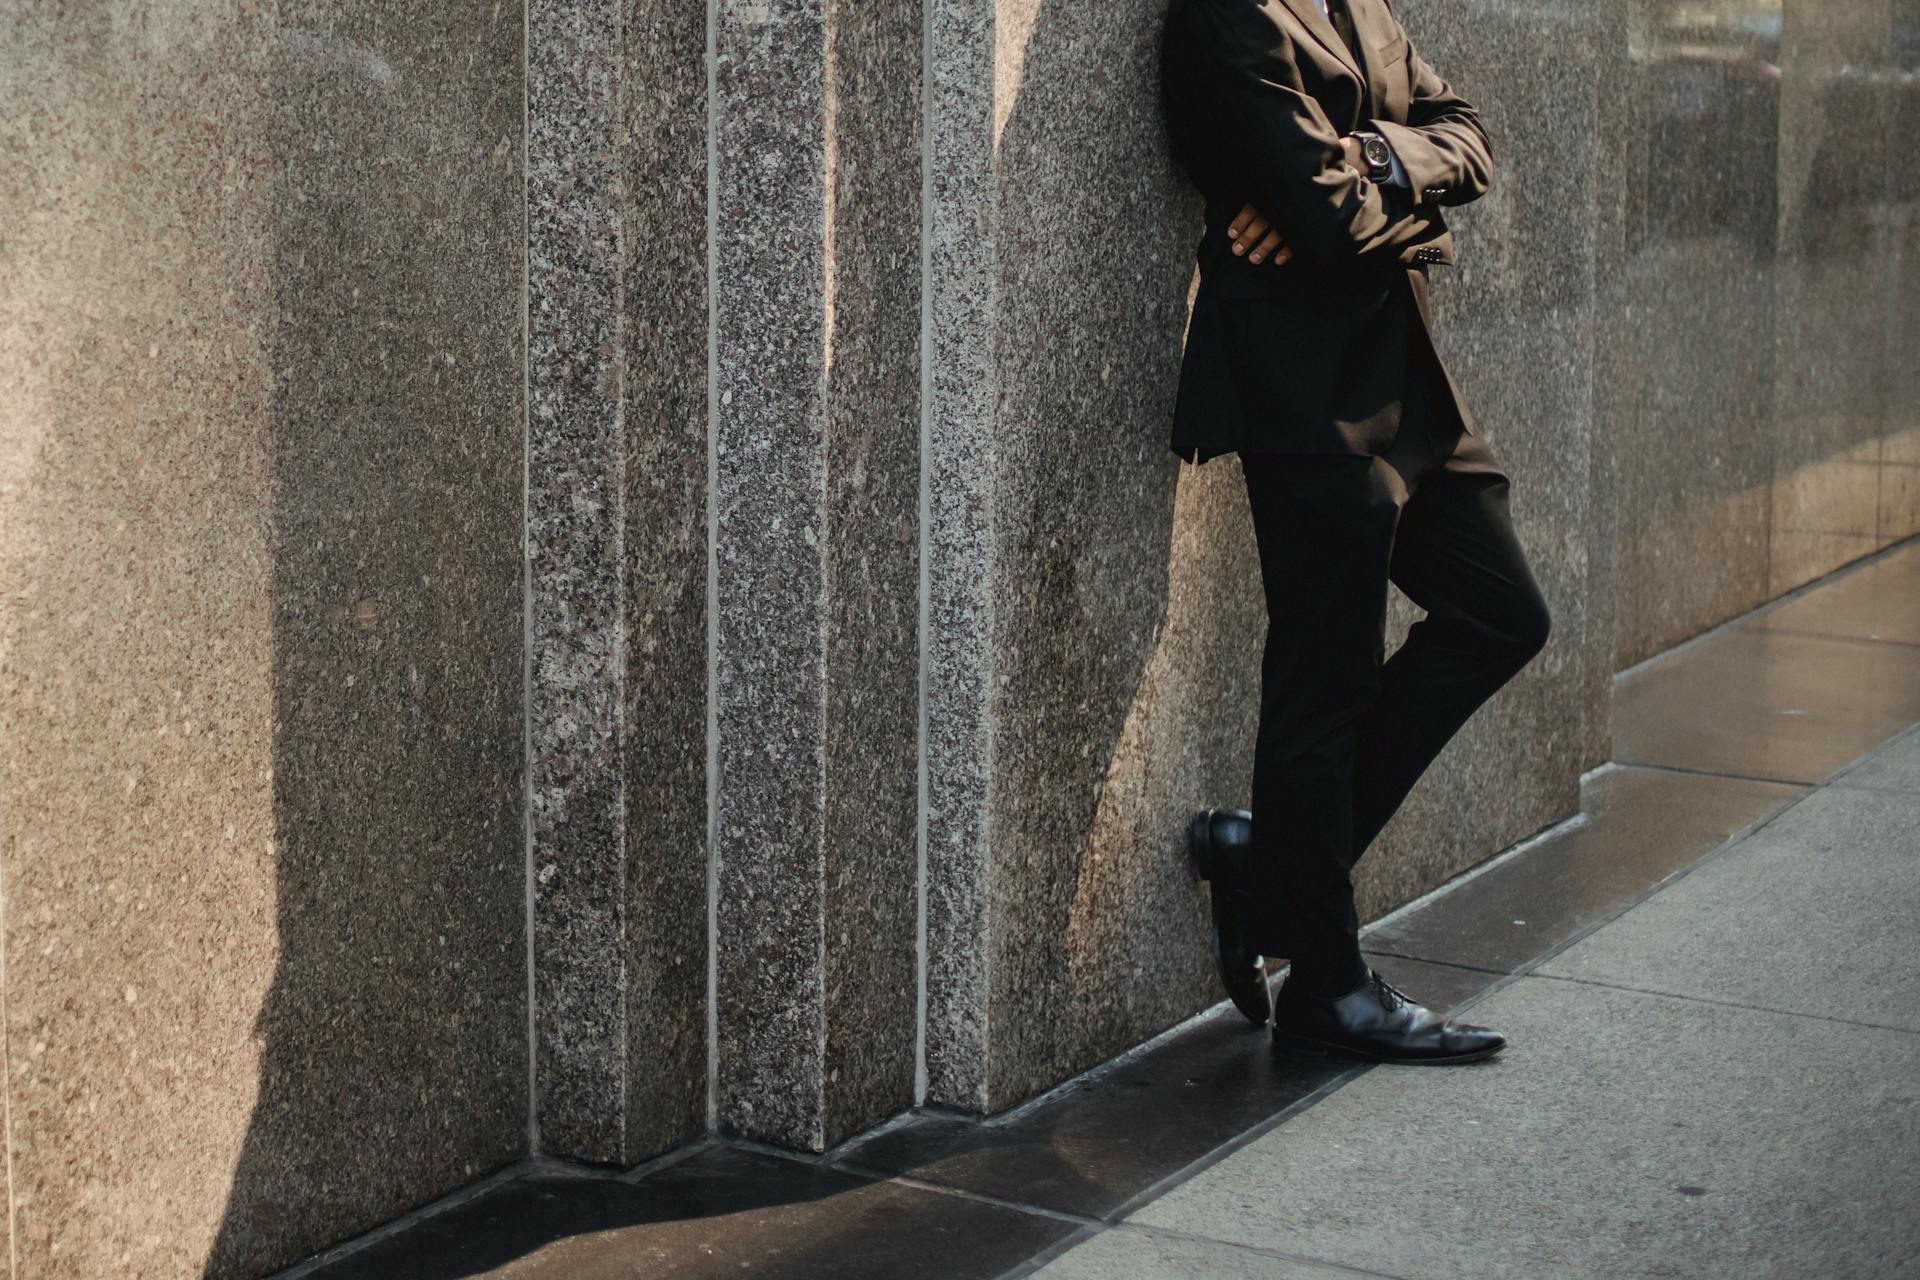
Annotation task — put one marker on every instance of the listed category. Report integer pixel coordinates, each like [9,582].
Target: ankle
[1325,984]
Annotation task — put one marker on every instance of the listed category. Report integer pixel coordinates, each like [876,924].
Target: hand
[1254,236]
[1350,148]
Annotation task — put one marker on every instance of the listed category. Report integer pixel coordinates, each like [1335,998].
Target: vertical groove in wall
[713,567]
[829,298]
[926,597]
[622,904]
[6,1083]
[988,425]
[526,574]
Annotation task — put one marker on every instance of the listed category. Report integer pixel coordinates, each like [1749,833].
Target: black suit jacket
[1311,356]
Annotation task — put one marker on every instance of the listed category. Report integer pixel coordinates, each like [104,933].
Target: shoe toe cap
[1466,1037]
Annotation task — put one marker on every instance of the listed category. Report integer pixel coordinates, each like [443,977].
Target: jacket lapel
[1372,34]
[1307,13]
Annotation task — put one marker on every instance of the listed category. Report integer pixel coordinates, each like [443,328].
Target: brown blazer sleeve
[1244,68]
[1442,146]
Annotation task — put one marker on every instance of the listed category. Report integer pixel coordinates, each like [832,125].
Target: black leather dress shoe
[1378,1022]
[1220,844]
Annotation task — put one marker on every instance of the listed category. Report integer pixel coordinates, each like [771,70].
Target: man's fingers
[1258,239]
[1250,233]
[1246,228]
[1273,241]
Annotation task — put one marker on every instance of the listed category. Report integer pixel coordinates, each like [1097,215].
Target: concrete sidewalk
[1723,1081]
[1708,978]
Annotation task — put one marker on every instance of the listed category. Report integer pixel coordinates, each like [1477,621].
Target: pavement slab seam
[854,1168]
[1899,740]
[1147,1195]
[1445,964]
[1512,853]
[1580,935]
[1692,772]
[1173,1233]
[1835,635]
[962,1193]
[667,1159]
[1055,1251]
[1714,1000]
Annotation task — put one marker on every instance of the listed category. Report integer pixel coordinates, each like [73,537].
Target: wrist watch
[1379,157]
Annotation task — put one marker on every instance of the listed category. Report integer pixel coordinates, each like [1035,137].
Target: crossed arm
[1309,192]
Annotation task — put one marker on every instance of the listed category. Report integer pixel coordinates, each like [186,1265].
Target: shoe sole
[1289,1040]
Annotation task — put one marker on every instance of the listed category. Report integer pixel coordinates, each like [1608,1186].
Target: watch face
[1375,150]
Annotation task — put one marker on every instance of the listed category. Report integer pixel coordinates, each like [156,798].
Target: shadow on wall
[393,1058]
[393,1066]
[1126,640]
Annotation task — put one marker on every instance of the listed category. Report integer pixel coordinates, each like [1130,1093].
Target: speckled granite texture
[816,437]
[617,542]
[269,593]
[1103,599]
[962,222]
[260,660]
[575,552]
[1833,292]
[663,104]
[616,530]
[1117,597]
[1767,419]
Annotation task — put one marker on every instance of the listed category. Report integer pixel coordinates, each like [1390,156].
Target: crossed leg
[1456,556]
[1343,735]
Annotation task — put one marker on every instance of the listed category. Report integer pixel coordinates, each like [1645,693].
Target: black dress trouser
[1344,734]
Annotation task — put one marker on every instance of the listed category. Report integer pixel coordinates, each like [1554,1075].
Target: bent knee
[1527,626]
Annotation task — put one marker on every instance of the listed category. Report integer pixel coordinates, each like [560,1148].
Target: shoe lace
[1390,996]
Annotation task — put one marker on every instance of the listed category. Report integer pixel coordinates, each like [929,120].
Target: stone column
[816,546]
[616,541]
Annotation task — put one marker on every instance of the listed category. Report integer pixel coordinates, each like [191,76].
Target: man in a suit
[1326,147]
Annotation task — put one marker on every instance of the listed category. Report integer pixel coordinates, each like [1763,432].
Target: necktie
[1342,22]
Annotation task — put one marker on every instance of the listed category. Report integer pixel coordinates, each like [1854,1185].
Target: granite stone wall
[1765,332]
[574,576]
[1104,600]
[816,544]
[616,224]
[261,802]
